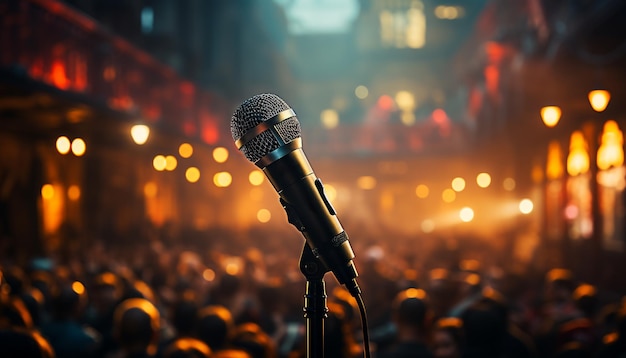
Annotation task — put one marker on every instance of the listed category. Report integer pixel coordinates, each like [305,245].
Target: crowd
[164,299]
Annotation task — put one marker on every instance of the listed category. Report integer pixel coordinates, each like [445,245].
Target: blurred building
[545,79]
[423,118]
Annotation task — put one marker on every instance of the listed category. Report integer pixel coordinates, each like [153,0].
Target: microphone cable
[366,338]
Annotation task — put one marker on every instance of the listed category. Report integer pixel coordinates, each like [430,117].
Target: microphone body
[301,192]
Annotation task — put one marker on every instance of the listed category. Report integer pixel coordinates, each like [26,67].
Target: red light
[187,88]
[385,103]
[209,135]
[492,77]
[57,75]
[440,116]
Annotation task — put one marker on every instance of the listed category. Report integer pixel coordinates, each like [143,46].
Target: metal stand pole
[314,302]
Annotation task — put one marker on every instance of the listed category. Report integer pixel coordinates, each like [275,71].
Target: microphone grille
[253,112]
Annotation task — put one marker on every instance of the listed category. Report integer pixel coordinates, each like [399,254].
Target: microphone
[266,130]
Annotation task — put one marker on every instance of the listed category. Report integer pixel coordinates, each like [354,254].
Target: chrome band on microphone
[263,126]
[279,153]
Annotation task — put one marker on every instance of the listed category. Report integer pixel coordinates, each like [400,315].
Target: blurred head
[586,299]
[410,310]
[215,326]
[559,285]
[187,348]
[136,324]
[448,338]
[483,329]
[69,300]
[184,314]
[251,338]
[107,291]
[443,290]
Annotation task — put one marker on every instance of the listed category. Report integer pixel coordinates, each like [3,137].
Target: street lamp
[599,99]
[140,133]
[550,115]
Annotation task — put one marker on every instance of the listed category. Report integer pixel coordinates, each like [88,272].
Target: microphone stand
[314,302]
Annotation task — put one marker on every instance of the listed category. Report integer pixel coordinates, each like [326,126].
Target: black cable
[366,335]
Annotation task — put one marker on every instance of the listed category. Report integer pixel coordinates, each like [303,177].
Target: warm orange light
[448,195]
[208,275]
[256,177]
[73,192]
[140,133]
[508,184]
[611,151]
[458,184]
[526,206]
[159,162]
[415,293]
[554,164]
[483,180]
[422,191]
[550,115]
[47,191]
[192,174]
[150,189]
[78,288]
[78,147]
[578,158]
[599,99]
[170,163]
[185,150]
[63,145]
[222,179]
[220,154]
[263,215]
[466,214]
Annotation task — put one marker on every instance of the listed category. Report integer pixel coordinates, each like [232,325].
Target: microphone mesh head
[253,112]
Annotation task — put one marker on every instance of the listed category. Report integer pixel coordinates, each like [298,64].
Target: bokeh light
[508,184]
[361,92]
[73,192]
[140,133]
[526,206]
[448,195]
[220,154]
[63,145]
[329,118]
[483,180]
[192,174]
[47,191]
[458,184]
[185,150]
[466,214]
[79,147]
[78,288]
[422,191]
[263,215]
[170,163]
[222,179]
[256,177]
[208,275]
